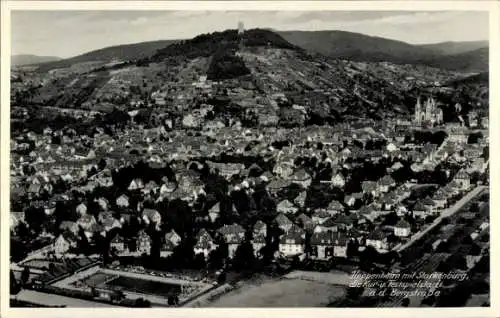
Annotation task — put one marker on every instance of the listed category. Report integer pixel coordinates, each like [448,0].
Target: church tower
[418,112]
[429,108]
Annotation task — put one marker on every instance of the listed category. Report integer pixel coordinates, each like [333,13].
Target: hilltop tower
[241,28]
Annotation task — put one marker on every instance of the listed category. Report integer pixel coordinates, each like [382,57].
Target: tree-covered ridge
[205,45]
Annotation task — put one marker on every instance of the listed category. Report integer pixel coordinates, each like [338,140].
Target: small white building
[402,229]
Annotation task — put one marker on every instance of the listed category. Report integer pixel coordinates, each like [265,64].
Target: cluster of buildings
[38,167]
[45,171]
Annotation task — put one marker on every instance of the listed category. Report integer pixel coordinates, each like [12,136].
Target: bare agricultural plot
[281,293]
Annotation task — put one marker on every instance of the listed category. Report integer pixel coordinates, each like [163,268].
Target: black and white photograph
[234,158]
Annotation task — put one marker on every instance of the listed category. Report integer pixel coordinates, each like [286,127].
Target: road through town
[445,213]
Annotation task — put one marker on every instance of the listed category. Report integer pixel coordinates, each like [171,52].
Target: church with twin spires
[428,113]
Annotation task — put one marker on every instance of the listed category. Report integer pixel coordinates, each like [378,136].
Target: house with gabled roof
[351,199]
[320,216]
[420,210]
[63,243]
[81,209]
[277,185]
[34,189]
[325,245]
[122,201]
[378,240]
[117,243]
[214,212]
[402,228]
[301,177]
[300,200]
[370,187]
[136,184]
[388,201]
[167,187]
[150,188]
[171,241]
[429,204]
[334,207]
[328,225]
[440,199]
[478,165]
[286,207]
[292,242]
[181,194]
[305,222]
[385,183]
[151,216]
[69,226]
[86,221]
[103,203]
[254,170]
[259,229]
[284,169]
[283,222]
[233,235]
[345,222]
[338,180]
[463,179]
[110,223]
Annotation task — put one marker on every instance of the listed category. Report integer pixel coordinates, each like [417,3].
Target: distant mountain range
[119,52]
[27,59]
[449,48]
[457,56]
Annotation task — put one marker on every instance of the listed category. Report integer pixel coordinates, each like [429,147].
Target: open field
[332,277]
[280,293]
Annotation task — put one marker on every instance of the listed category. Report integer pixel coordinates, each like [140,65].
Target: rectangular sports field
[143,286]
[155,288]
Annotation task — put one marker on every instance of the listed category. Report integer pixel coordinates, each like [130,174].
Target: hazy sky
[69,33]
